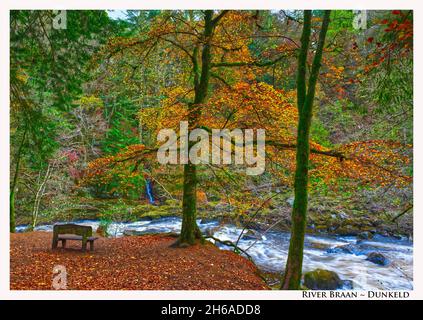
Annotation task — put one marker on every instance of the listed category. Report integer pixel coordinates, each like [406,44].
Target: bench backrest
[71,228]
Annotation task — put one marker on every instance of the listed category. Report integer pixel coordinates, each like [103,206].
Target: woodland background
[88,96]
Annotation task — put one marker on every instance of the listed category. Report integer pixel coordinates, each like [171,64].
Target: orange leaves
[228,36]
[254,106]
[245,105]
[396,41]
[336,75]
[259,105]
[336,72]
[128,263]
[119,172]
[375,162]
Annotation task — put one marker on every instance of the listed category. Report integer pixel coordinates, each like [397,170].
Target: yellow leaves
[90,103]
[148,118]
[335,72]
[22,76]
[170,112]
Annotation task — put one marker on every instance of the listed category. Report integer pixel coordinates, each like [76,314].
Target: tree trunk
[293,270]
[39,195]
[15,182]
[190,231]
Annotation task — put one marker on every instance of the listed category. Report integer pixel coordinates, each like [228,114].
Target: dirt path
[128,263]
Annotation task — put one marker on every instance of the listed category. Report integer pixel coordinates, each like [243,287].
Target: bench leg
[91,245]
[54,244]
[63,243]
[84,245]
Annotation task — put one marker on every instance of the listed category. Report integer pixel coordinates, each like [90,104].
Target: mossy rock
[142,209]
[365,235]
[347,231]
[321,279]
[173,203]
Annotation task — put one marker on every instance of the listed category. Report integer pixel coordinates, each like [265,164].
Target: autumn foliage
[259,105]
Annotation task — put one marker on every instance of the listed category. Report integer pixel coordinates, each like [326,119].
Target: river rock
[377,258]
[344,248]
[365,235]
[348,285]
[321,279]
[251,235]
[343,215]
[207,220]
[319,246]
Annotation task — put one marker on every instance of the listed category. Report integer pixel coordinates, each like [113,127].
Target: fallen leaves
[129,263]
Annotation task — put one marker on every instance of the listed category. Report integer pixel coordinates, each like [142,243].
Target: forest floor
[128,263]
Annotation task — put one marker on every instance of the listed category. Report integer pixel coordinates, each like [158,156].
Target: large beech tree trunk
[190,231]
[305,97]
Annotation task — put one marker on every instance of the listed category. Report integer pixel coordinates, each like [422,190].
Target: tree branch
[250,64]
[216,20]
[402,213]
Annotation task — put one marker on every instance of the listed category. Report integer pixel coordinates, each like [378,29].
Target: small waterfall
[149,191]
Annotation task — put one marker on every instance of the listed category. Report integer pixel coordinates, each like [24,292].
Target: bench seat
[74,237]
[71,231]
[65,237]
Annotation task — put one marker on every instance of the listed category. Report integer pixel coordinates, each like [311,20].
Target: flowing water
[269,251]
[149,191]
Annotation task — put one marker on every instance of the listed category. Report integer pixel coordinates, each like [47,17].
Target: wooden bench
[64,232]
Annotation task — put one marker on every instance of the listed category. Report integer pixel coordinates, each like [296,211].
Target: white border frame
[6,5]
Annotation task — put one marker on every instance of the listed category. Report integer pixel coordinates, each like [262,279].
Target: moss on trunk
[293,270]
[190,231]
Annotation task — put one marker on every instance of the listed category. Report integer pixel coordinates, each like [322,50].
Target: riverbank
[383,263]
[129,263]
[326,215]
